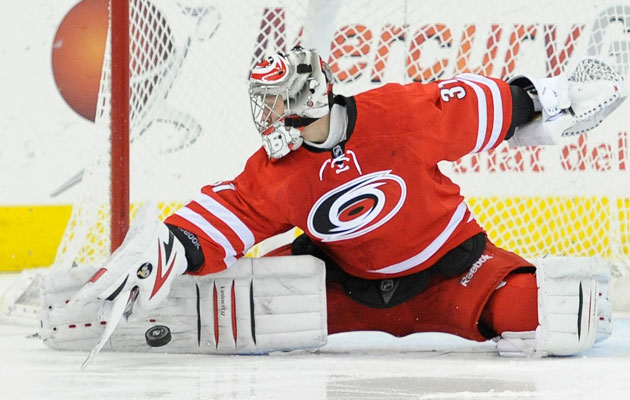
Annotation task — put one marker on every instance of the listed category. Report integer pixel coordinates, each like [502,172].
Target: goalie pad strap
[256,306]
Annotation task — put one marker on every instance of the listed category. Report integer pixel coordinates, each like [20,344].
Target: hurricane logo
[357,207]
[272,69]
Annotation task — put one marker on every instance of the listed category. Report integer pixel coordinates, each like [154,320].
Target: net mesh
[190,121]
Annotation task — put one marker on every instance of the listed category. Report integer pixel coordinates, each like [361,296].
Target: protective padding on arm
[257,306]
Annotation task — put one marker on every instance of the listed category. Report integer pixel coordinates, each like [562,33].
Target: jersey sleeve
[228,218]
[476,113]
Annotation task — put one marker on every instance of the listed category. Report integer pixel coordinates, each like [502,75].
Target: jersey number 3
[453,92]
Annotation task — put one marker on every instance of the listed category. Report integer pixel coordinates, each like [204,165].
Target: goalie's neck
[317,132]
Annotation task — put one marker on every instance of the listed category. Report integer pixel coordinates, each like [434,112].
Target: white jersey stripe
[497,111]
[483,114]
[227,216]
[212,232]
[431,249]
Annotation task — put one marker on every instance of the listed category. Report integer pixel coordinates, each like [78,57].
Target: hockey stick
[122,306]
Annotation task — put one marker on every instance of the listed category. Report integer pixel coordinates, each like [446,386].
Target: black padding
[304,69]
[375,293]
[192,247]
[458,260]
[522,109]
[385,293]
[523,82]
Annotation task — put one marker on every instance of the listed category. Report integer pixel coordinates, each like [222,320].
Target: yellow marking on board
[530,226]
[30,235]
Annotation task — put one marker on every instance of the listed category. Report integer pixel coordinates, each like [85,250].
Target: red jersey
[376,203]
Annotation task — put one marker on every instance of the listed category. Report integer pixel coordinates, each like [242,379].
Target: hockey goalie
[389,244]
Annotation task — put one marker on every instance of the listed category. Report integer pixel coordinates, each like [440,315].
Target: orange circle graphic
[77,55]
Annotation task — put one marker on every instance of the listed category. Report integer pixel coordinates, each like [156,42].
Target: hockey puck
[158,335]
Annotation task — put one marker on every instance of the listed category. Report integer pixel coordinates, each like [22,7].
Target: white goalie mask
[288,92]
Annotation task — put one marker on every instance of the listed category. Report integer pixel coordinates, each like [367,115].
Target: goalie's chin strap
[298,122]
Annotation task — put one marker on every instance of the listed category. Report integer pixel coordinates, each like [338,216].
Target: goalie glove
[141,270]
[569,106]
[574,311]
[596,90]
[137,277]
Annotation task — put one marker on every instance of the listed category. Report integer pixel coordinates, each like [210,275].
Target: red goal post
[119,188]
[189,123]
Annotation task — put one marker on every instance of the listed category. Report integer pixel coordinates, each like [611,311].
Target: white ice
[361,365]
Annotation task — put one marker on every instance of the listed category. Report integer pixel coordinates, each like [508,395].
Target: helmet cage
[265,103]
[295,85]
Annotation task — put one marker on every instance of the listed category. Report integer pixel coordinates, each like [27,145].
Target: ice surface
[360,365]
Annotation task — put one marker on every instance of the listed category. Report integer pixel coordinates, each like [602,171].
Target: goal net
[190,122]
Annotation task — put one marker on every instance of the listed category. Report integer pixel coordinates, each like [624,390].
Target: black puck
[157,335]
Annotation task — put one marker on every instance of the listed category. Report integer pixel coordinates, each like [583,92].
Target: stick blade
[120,305]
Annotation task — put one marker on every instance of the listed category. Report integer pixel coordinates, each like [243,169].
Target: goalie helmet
[288,92]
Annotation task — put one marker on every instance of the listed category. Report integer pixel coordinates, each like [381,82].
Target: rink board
[33,233]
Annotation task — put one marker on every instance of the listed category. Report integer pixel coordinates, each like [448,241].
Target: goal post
[119,188]
[189,121]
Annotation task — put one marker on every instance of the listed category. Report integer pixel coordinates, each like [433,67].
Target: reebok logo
[192,237]
[475,267]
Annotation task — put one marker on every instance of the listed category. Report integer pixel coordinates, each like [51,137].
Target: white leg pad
[574,311]
[256,306]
